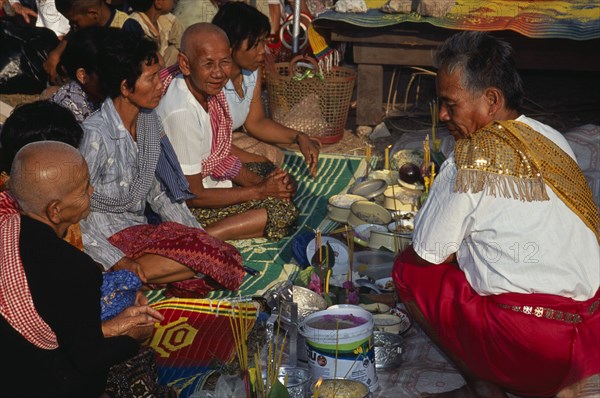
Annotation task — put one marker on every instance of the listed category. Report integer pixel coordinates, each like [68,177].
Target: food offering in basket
[304,98]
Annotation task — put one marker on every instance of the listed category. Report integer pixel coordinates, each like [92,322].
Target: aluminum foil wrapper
[388,350]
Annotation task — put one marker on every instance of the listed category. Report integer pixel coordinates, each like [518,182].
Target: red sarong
[528,344]
[192,247]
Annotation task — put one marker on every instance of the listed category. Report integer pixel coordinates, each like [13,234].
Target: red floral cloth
[502,338]
[192,247]
[16,303]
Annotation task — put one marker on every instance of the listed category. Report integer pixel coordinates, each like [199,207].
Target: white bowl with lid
[338,206]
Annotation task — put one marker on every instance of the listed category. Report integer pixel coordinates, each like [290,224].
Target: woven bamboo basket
[315,106]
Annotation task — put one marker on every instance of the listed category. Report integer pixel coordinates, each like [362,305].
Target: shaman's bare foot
[463,392]
[572,391]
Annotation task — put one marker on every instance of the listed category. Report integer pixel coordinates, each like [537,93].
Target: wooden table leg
[369,89]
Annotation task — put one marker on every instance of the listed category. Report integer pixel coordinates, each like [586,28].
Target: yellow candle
[426,153]
[387,157]
[317,386]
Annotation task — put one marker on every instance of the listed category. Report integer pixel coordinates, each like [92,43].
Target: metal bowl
[338,387]
[307,301]
[366,212]
[369,188]
[388,350]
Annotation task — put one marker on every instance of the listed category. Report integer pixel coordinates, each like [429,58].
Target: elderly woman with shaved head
[50,326]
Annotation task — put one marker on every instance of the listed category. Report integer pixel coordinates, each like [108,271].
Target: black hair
[82,51]
[122,58]
[37,121]
[66,6]
[141,5]
[241,21]
[484,61]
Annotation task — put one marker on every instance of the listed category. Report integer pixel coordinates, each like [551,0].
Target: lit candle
[317,385]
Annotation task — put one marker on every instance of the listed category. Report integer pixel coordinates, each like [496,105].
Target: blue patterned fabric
[118,292]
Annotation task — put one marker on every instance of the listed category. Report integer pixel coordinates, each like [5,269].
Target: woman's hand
[52,61]
[25,12]
[278,184]
[310,148]
[135,321]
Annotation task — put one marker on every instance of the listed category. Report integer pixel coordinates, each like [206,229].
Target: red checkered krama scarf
[16,304]
[220,164]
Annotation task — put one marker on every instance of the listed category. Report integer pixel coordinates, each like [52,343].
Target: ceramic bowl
[387,323]
[416,186]
[390,241]
[366,212]
[399,198]
[338,207]
[403,223]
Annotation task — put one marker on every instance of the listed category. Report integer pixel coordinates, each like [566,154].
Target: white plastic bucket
[346,352]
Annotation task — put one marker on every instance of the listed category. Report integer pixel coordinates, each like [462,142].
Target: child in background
[82,95]
[81,14]
[154,19]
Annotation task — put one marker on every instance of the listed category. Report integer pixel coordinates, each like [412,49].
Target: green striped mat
[274,260]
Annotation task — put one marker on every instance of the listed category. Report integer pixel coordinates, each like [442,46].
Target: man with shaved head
[232,202]
[50,326]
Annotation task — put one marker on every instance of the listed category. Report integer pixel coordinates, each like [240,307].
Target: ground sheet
[195,338]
